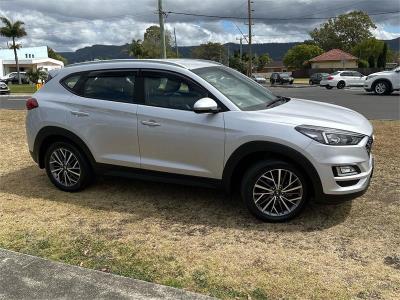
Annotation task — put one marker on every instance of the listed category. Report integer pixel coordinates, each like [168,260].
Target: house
[275,66]
[334,59]
[28,58]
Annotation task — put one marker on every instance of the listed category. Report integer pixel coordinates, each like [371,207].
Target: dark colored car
[317,77]
[14,79]
[280,78]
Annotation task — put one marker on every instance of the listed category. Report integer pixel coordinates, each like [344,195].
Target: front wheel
[381,88]
[274,191]
[67,167]
[328,87]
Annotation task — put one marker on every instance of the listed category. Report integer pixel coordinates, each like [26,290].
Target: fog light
[346,171]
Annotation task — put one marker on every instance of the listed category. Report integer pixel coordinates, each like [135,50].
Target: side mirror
[205,105]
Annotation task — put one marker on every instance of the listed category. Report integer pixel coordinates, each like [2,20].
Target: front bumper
[336,188]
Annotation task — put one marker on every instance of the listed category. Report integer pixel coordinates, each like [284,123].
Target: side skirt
[134,173]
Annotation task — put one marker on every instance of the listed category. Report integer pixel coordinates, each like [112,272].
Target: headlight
[371,76]
[330,136]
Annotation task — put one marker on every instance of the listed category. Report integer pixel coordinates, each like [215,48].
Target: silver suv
[193,121]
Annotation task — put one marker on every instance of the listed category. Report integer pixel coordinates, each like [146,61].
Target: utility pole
[250,24]
[162,32]
[241,47]
[176,44]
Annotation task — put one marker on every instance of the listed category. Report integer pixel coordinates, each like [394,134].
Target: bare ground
[201,240]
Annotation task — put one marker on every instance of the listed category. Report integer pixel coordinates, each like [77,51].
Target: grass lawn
[199,239]
[22,88]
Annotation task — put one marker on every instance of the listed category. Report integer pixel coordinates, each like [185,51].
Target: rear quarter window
[70,82]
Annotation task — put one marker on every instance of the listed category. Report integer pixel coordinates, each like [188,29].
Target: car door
[103,113]
[357,79]
[172,137]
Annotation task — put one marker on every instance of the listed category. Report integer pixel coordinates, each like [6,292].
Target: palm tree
[13,31]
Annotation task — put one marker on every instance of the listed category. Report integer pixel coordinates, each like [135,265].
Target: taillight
[31,103]
[329,78]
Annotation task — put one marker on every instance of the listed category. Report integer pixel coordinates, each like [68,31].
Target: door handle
[150,123]
[79,113]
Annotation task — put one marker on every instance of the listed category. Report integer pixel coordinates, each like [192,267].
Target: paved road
[370,105]
[28,277]
[13,101]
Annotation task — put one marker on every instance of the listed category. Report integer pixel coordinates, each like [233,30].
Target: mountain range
[275,50]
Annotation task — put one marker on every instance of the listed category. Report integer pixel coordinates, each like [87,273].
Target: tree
[14,31]
[210,51]
[343,32]
[299,54]
[367,48]
[262,61]
[381,63]
[371,61]
[150,47]
[238,63]
[54,55]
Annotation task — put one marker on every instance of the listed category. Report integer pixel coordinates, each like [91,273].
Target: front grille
[368,146]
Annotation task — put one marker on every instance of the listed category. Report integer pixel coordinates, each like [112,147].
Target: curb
[24,276]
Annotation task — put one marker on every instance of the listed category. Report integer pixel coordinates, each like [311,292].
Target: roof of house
[334,54]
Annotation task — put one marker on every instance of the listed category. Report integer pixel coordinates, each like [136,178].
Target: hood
[382,73]
[307,112]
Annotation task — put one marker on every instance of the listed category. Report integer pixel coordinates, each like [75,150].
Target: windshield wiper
[279,99]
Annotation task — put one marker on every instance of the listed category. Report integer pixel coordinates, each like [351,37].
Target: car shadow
[169,203]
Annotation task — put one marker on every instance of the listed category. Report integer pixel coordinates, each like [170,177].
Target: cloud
[70,24]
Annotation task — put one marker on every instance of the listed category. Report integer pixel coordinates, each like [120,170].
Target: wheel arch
[251,152]
[50,134]
[380,80]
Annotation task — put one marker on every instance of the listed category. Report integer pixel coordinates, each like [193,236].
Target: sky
[67,25]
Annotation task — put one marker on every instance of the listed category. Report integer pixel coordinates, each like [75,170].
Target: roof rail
[94,62]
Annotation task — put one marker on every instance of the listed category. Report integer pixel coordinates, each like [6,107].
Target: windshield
[396,69]
[238,88]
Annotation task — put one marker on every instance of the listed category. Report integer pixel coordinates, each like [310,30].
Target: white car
[383,83]
[259,79]
[193,121]
[341,79]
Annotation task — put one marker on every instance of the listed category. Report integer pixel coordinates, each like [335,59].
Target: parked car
[317,77]
[383,83]
[13,78]
[259,79]
[281,78]
[341,79]
[191,121]
[4,88]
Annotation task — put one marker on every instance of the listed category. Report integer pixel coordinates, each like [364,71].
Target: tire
[382,88]
[310,82]
[328,87]
[258,192]
[57,159]
[341,85]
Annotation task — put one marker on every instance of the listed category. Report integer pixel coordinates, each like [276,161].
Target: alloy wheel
[65,167]
[277,192]
[380,88]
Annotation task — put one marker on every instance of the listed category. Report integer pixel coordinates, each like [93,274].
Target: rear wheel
[67,167]
[341,85]
[382,88]
[274,191]
[310,82]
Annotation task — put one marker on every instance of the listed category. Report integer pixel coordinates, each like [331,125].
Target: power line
[270,19]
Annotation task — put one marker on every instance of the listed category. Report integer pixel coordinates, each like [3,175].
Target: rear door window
[116,86]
